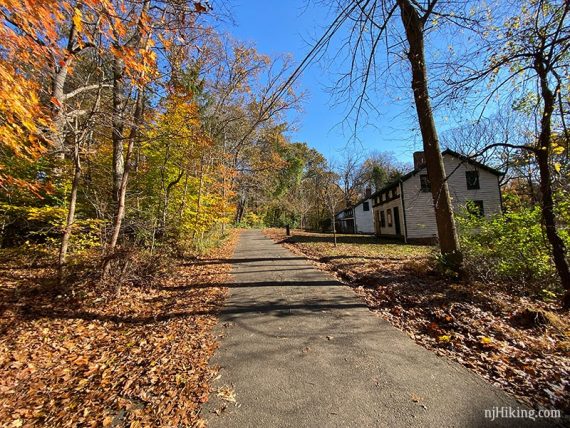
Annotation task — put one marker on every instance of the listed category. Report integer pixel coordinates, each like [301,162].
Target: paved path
[302,350]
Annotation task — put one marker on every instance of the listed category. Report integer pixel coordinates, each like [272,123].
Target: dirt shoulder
[517,342]
[93,354]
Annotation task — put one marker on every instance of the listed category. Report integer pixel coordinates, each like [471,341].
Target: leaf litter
[515,341]
[89,356]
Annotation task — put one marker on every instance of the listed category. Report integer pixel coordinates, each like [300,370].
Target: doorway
[397,221]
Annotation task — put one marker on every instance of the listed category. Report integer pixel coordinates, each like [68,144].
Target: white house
[357,218]
[404,208]
[344,221]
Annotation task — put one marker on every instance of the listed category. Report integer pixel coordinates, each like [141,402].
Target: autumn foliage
[125,130]
[96,357]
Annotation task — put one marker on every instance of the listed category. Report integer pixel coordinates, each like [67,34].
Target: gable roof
[360,202]
[472,162]
[449,152]
[345,210]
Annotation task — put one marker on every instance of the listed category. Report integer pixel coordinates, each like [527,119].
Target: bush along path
[518,342]
[128,353]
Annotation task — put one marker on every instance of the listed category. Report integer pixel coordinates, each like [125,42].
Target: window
[394,193]
[424,183]
[366,206]
[389,215]
[476,208]
[382,219]
[472,178]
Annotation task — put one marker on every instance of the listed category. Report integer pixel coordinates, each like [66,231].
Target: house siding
[364,220]
[420,216]
[384,206]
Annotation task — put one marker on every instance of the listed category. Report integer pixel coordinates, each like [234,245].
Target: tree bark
[240,210]
[447,233]
[120,210]
[547,200]
[58,134]
[199,201]
[72,204]
[118,123]
[166,200]
[333,229]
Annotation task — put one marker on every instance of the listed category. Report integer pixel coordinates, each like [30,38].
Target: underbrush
[129,350]
[512,250]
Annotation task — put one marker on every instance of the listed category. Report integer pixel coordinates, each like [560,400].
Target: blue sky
[278,27]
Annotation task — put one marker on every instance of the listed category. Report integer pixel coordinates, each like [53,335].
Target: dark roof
[345,210]
[445,152]
[356,204]
[362,200]
[472,162]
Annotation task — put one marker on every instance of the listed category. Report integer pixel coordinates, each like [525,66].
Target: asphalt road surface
[299,349]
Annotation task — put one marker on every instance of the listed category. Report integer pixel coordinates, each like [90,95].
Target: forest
[137,139]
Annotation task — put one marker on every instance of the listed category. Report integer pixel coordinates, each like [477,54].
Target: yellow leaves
[486,340]
[227,393]
[444,339]
[77,15]
[165,41]
[557,167]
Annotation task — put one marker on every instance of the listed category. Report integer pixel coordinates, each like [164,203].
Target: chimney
[368,192]
[419,160]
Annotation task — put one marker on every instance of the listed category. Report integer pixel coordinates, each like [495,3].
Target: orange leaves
[199,7]
[22,114]
[140,359]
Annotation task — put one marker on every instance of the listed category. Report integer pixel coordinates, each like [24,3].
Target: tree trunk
[58,86]
[240,210]
[166,201]
[199,201]
[118,123]
[183,199]
[120,209]
[547,200]
[447,233]
[58,133]
[72,204]
[333,229]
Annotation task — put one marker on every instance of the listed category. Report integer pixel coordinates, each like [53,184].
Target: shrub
[252,220]
[22,225]
[509,247]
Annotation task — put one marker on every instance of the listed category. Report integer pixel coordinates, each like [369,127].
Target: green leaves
[508,247]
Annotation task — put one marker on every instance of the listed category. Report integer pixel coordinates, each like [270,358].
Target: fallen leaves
[227,393]
[94,357]
[518,343]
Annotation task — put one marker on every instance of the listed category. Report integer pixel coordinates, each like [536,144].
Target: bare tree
[536,56]
[331,195]
[371,27]
[350,173]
